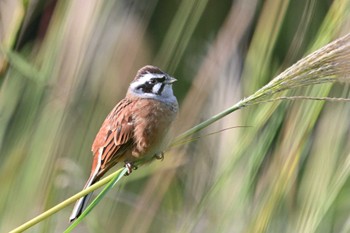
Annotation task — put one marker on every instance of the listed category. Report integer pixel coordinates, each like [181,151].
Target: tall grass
[287,172]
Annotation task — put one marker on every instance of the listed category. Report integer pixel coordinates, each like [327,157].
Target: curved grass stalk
[69,201]
[331,63]
[115,178]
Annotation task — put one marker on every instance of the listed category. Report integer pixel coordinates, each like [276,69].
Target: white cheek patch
[157,87]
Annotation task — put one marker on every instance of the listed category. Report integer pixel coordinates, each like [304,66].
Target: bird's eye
[152,81]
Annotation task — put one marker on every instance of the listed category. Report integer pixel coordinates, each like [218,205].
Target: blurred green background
[65,64]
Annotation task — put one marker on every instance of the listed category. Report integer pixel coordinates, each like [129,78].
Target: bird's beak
[171,80]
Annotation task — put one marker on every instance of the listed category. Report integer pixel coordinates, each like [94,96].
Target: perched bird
[136,128]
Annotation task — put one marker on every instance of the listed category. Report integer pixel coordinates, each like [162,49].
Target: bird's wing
[114,137]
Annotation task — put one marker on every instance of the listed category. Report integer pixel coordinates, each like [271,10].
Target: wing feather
[115,135]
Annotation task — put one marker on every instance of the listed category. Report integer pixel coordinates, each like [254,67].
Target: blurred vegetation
[65,64]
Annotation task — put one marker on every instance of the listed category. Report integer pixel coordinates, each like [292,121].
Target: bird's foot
[130,166]
[159,156]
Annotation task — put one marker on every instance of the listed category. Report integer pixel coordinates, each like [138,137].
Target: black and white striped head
[151,82]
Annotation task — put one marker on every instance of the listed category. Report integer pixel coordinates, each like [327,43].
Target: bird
[136,129]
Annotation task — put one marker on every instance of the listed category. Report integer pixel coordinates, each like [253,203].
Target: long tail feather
[81,204]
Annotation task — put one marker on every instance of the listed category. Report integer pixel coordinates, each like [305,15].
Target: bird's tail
[81,204]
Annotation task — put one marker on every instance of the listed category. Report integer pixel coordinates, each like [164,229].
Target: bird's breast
[152,120]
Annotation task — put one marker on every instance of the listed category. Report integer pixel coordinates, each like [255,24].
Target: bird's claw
[159,156]
[130,166]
